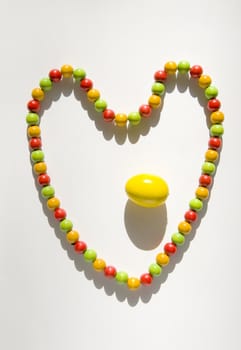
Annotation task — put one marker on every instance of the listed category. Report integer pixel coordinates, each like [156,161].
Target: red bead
[145,111]
[205,180]
[108,115]
[60,214]
[86,84]
[213,104]
[110,271]
[170,248]
[215,142]
[35,143]
[146,278]
[191,216]
[55,75]
[43,179]
[33,106]
[160,75]
[80,247]
[196,71]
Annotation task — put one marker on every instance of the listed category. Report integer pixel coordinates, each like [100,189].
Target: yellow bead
[38,94]
[53,203]
[162,259]
[93,95]
[67,71]
[170,67]
[204,81]
[34,131]
[40,168]
[133,282]
[154,101]
[99,264]
[217,117]
[211,155]
[121,119]
[202,192]
[184,227]
[72,236]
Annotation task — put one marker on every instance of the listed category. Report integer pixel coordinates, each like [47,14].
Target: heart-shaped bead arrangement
[120,119]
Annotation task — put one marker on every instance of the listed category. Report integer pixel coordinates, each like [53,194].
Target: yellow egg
[147,190]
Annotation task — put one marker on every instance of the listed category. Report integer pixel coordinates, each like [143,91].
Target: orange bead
[38,94]
[202,192]
[204,81]
[184,227]
[53,203]
[72,236]
[67,71]
[40,168]
[211,155]
[121,119]
[170,67]
[93,95]
[162,259]
[154,101]
[99,264]
[133,283]
[217,117]
[34,131]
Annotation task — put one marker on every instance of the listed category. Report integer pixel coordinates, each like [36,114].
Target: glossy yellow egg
[147,190]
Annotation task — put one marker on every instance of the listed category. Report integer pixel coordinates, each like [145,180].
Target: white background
[49,298]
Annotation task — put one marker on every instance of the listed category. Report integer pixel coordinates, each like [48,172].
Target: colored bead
[170,248]
[217,117]
[100,105]
[191,216]
[215,142]
[211,92]
[134,118]
[121,119]
[34,131]
[86,84]
[183,67]
[93,95]
[53,203]
[133,283]
[202,193]
[108,115]
[47,192]
[162,259]
[32,118]
[37,156]
[34,106]
[196,204]
[145,111]
[208,168]
[178,238]
[170,67]
[154,101]
[80,247]
[79,74]
[72,236]
[46,84]
[121,277]
[160,75]
[205,180]
[44,179]
[146,279]
[40,168]
[204,81]
[216,130]
[35,143]
[155,269]
[110,271]
[67,71]
[211,155]
[147,190]
[196,71]
[38,94]
[60,214]
[99,264]
[55,75]
[184,227]
[213,104]
[158,88]
[66,225]
[90,255]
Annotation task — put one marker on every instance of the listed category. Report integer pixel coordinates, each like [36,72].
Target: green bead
[216,130]
[155,269]
[178,238]
[46,84]
[208,168]
[79,74]
[37,156]
[195,204]
[134,118]
[47,192]
[121,277]
[32,118]
[100,105]
[66,225]
[183,67]
[90,255]
[211,92]
[158,88]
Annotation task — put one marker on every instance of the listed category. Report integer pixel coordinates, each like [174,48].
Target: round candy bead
[155,269]
[32,118]
[38,94]
[158,88]
[55,75]
[162,259]
[99,264]
[145,111]
[146,279]
[110,271]
[53,203]
[202,192]
[46,84]
[79,73]
[72,236]
[34,131]
[44,179]
[121,119]
[93,95]
[178,238]
[215,142]
[60,214]
[66,225]
[160,75]
[80,247]
[37,156]
[47,192]
[211,155]
[196,71]
[134,118]
[213,104]
[208,168]
[108,115]
[34,106]
[216,130]
[100,105]
[67,71]
[86,84]
[40,168]
[196,204]
[184,227]
[205,180]
[217,117]
[191,216]
[35,143]
[183,67]
[154,101]
[204,81]
[211,92]
[133,283]
[170,67]
[170,248]
[121,277]
[90,255]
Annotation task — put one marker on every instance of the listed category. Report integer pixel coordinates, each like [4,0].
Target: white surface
[48,301]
